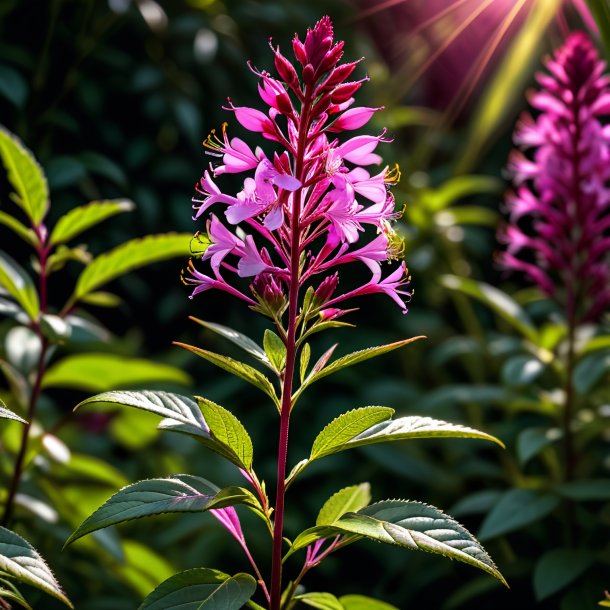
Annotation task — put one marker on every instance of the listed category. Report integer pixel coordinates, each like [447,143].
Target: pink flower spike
[354,118]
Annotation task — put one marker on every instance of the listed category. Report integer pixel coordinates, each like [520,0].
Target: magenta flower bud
[298,49]
[345,91]
[286,71]
[354,118]
[332,313]
[308,74]
[269,294]
[340,74]
[562,198]
[332,58]
[327,288]
[318,42]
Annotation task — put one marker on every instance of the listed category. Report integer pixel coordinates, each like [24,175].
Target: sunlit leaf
[129,256]
[19,559]
[348,499]
[18,228]
[6,413]
[199,589]
[101,372]
[521,370]
[181,493]
[516,509]
[19,285]
[275,350]
[31,192]
[8,591]
[504,305]
[321,601]
[558,568]
[412,525]
[79,219]
[361,602]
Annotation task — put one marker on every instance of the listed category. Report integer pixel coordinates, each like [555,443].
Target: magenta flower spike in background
[562,185]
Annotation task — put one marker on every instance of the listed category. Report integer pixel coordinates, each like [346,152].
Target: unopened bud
[326,289]
[308,74]
[269,294]
[286,70]
[343,92]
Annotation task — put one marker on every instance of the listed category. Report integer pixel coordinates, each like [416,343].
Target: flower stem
[43,253]
[291,349]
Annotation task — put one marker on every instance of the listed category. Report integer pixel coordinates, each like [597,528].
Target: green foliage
[8,414]
[201,588]
[275,350]
[347,500]
[19,285]
[558,568]
[19,560]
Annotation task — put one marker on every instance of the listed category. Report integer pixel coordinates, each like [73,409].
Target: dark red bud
[331,58]
[322,104]
[343,92]
[286,70]
[284,105]
[299,51]
[340,73]
[308,74]
[327,288]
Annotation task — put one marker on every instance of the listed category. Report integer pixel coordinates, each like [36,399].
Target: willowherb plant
[305,212]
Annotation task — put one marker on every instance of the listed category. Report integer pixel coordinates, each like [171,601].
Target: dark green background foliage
[115,106]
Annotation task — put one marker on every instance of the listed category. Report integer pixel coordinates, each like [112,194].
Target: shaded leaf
[304,361]
[521,370]
[238,338]
[18,228]
[516,509]
[19,559]
[101,299]
[237,368]
[586,490]
[101,372]
[497,300]
[531,442]
[129,256]
[19,285]
[199,589]
[558,568]
[348,499]
[412,525]
[6,413]
[181,493]
[31,192]
[9,592]
[590,371]
[79,219]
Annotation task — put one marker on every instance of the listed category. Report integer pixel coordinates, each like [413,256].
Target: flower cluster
[561,189]
[305,208]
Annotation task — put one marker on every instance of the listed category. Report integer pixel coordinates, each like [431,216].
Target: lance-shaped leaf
[181,493]
[351,359]
[129,256]
[31,192]
[409,524]
[8,591]
[347,500]
[20,560]
[79,219]
[18,228]
[201,589]
[8,414]
[238,338]
[321,601]
[362,602]
[497,300]
[237,368]
[19,285]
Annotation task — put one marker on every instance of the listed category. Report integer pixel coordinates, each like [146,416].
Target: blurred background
[115,97]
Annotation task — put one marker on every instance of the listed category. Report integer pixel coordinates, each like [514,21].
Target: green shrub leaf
[18,228]
[26,177]
[237,368]
[275,350]
[8,414]
[129,256]
[347,500]
[497,300]
[101,372]
[412,525]
[181,493]
[558,568]
[79,219]
[19,559]
[361,602]
[322,601]
[516,509]
[201,589]
[19,285]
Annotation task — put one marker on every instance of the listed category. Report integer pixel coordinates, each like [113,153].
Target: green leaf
[412,525]
[467,215]
[129,256]
[531,442]
[79,219]
[304,361]
[19,285]
[590,371]
[322,601]
[354,358]
[238,339]
[601,13]
[199,589]
[182,493]
[558,568]
[504,305]
[19,559]
[237,368]
[403,428]
[592,490]
[8,414]
[347,500]
[516,509]
[460,187]
[508,82]
[26,177]
[361,602]
[18,228]
[8,591]
[101,299]
[54,328]
[275,350]
[227,430]
[101,372]
[521,370]
[345,427]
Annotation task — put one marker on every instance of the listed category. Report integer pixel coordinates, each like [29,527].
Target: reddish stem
[293,295]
